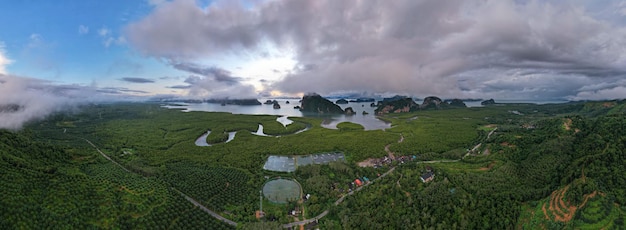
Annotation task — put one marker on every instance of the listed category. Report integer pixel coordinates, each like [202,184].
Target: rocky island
[488,102]
[397,104]
[314,103]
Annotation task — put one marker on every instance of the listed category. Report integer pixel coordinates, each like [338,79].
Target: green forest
[134,165]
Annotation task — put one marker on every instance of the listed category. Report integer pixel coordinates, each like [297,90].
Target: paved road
[194,202]
[205,209]
[105,156]
[381,176]
[292,224]
[479,144]
[359,188]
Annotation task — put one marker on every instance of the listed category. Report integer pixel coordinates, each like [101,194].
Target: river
[368,121]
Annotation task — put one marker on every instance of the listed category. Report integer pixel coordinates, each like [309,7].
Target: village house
[428,176]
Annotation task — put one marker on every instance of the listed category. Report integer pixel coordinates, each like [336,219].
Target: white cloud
[104,32]
[120,40]
[36,99]
[82,29]
[4,60]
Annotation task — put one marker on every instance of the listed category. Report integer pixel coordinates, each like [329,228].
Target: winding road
[389,152]
[205,209]
[391,155]
[325,212]
[105,156]
[194,202]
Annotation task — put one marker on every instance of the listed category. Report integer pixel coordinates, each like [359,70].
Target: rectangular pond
[290,163]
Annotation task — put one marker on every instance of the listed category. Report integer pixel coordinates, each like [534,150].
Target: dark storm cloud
[212,82]
[218,74]
[136,80]
[406,46]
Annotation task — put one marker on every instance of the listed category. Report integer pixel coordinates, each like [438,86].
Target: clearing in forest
[488,166]
[559,209]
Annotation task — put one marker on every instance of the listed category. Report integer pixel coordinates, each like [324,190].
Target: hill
[314,103]
[397,104]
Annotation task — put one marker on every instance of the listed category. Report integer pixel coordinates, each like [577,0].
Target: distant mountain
[488,102]
[234,101]
[432,102]
[342,101]
[456,103]
[397,104]
[463,99]
[315,103]
[363,99]
[394,98]
[400,104]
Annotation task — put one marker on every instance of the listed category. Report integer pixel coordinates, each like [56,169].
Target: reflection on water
[201,141]
[259,131]
[368,121]
[231,136]
[290,163]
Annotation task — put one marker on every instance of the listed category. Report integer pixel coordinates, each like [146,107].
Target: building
[358,182]
[428,176]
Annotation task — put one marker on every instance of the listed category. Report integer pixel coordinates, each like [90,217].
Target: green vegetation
[554,166]
[349,126]
[43,185]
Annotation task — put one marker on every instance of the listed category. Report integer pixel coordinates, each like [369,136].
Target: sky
[92,50]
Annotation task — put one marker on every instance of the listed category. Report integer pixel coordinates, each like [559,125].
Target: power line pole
[261,201]
[261,207]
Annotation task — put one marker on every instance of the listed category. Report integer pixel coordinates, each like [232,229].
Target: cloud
[201,87]
[104,32]
[111,40]
[218,74]
[108,38]
[4,60]
[172,78]
[136,80]
[604,94]
[213,82]
[119,90]
[188,32]
[179,87]
[82,29]
[406,46]
[36,99]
